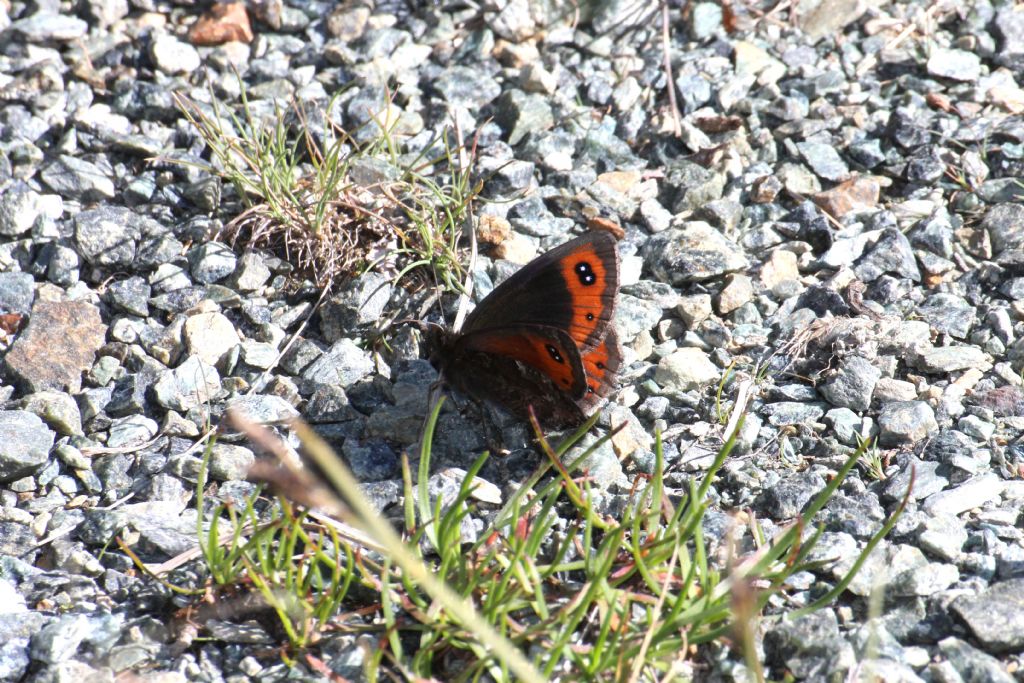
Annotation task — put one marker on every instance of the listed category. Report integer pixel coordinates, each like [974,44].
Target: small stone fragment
[222,23]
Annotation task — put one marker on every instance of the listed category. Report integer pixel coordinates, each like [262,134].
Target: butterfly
[545,337]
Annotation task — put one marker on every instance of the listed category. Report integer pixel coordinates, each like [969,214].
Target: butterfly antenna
[421,325]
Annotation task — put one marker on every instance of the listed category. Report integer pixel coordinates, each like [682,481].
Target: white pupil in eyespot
[585,273]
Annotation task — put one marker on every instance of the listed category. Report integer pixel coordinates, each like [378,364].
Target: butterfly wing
[517,388]
[601,365]
[544,337]
[547,350]
[572,287]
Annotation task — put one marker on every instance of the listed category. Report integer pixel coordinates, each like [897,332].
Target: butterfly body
[544,337]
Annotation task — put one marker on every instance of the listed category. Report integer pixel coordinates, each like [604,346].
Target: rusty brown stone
[856,194]
[492,230]
[607,225]
[222,23]
[58,344]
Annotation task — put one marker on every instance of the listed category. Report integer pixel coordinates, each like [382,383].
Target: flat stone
[43,27]
[925,580]
[131,431]
[787,497]
[343,364]
[852,385]
[228,461]
[738,290]
[856,194]
[971,664]
[19,208]
[173,56]
[130,295]
[58,409]
[17,292]
[521,114]
[223,23]
[944,536]
[927,481]
[824,160]
[971,494]
[828,17]
[956,65]
[694,309]
[906,422]
[187,386]
[466,87]
[251,272]
[809,645]
[263,408]
[169,278]
[944,359]
[891,254]
[25,444]
[259,354]
[786,413]
[1009,25]
[692,253]
[686,369]
[212,262]
[949,314]
[360,301]
[58,344]
[1004,224]
[107,236]
[888,390]
[209,336]
[78,179]
[780,267]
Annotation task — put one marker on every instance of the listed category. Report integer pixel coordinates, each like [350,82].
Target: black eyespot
[590,316]
[553,352]
[600,366]
[585,274]
[590,390]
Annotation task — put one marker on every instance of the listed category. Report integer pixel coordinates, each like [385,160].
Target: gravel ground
[838,198]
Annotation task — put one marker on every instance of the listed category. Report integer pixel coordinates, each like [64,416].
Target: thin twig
[105,450]
[667,61]
[460,314]
[641,657]
[258,384]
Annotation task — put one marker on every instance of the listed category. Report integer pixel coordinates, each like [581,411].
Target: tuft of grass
[871,459]
[302,199]
[551,589]
[297,566]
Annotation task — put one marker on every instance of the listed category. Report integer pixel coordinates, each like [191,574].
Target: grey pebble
[17,292]
[107,236]
[906,422]
[212,262]
[44,27]
[957,65]
[130,295]
[229,461]
[193,383]
[971,494]
[131,430]
[25,444]
[342,364]
[75,178]
[853,384]
[972,663]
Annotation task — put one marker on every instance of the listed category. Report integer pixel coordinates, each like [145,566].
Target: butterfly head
[439,342]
